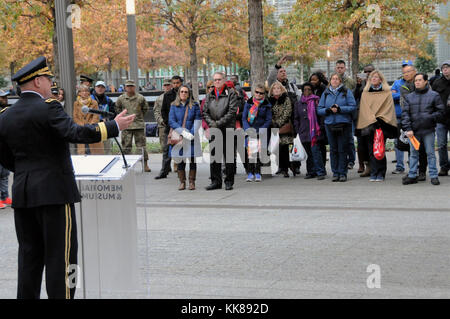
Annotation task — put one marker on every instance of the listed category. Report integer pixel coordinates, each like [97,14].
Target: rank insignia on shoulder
[4,109]
[50,100]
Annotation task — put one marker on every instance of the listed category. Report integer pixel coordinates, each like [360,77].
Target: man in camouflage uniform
[135,103]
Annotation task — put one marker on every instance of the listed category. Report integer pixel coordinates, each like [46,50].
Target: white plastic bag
[254,146]
[298,152]
[274,143]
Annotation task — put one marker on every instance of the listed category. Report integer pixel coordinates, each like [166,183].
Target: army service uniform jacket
[34,143]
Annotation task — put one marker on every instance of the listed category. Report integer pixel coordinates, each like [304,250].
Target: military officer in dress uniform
[34,143]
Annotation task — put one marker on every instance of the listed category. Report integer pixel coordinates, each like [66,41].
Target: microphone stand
[125,164]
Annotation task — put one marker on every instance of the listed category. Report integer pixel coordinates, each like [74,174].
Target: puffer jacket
[221,112]
[442,86]
[346,102]
[422,109]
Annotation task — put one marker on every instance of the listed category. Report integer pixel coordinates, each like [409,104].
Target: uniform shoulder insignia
[51,100]
[3,110]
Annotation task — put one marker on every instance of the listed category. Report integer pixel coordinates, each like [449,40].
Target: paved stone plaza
[283,238]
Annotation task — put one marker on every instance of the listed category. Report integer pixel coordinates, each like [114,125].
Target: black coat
[442,86]
[168,99]
[34,144]
[421,111]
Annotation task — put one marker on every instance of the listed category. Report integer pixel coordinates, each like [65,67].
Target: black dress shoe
[443,172]
[286,174]
[228,186]
[213,186]
[309,176]
[335,179]
[343,178]
[278,172]
[161,176]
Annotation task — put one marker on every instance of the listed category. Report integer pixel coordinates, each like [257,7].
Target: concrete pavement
[283,238]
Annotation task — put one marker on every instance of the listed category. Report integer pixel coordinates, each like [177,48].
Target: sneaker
[397,171]
[435,181]
[422,177]
[335,179]
[380,179]
[2,205]
[343,178]
[309,176]
[258,178]
[250,177]
[373,179]
[320,177]
[408,180]
[350,165]
[7,201]
[443,172]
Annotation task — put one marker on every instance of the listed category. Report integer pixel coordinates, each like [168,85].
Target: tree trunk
[256,41]
[355,51]
[154,78]
[109,73]
[205,75]
[147,77]
[193,65]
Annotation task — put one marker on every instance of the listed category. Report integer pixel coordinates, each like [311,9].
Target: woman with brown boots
[185,121]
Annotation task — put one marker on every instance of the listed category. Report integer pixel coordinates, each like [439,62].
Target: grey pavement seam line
[286,207]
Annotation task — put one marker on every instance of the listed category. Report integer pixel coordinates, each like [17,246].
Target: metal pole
[65,53]
[132,49]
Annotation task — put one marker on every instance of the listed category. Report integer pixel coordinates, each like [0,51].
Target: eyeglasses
[261,93]
[186,92]
[210,87]
[217,80]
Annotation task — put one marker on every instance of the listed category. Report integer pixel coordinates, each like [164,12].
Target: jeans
[442,132]
[339,145]
[4,174]
[428,142]
[351,146]
[399,157]
[192,164]
[314,163]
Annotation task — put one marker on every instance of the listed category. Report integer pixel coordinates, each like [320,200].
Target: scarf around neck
[253,112]
[314,127]
[334,91]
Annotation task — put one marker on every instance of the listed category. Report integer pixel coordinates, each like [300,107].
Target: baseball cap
[98,83]
[445,63]
[4,93]
[407,62]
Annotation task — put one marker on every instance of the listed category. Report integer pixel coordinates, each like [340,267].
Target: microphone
[86,110]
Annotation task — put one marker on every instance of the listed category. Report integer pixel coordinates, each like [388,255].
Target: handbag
[174,137]
[378,144]
[286,128]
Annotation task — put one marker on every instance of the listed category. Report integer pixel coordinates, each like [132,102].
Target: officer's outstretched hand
[123,121]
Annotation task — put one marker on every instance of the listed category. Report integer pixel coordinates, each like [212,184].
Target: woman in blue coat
[189,148]
[257,114]
[337,104]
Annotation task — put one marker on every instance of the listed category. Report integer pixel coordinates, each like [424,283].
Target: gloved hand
[187,135]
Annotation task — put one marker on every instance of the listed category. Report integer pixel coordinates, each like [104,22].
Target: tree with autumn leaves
[397,25]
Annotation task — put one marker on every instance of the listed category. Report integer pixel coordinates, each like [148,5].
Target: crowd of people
[322,112]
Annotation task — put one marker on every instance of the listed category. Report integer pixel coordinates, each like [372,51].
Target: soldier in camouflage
[135,103]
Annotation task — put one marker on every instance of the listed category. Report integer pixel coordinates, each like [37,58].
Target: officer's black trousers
[47,237]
